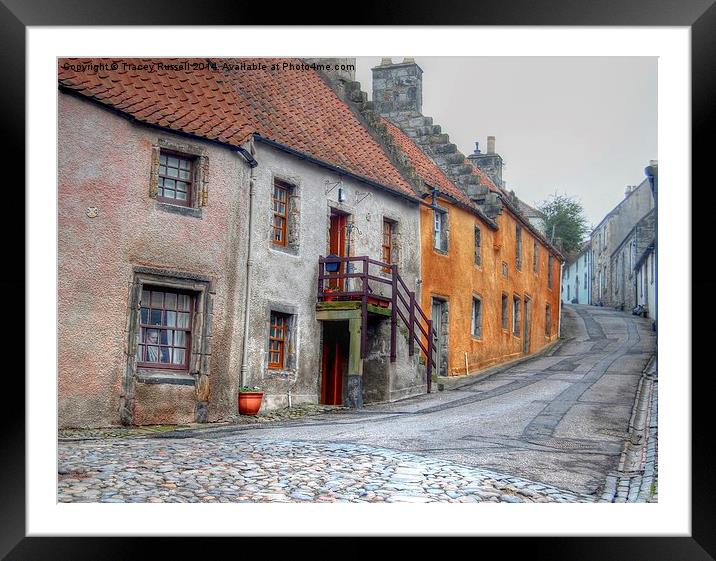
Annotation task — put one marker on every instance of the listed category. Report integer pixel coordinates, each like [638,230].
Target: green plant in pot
[250,399]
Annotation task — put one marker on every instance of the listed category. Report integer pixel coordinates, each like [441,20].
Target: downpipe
[249,263]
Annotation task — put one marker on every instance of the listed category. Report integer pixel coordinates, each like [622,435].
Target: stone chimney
[398,88]
[490,144]
[490,163]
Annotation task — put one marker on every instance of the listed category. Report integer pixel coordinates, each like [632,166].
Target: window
[277,340]
[176,177]
[164,329]
[518,249]
[567,292]
[476,328]
[441,239]
[280,213]
[535,256]
[547,322]
[550,263]
[504,311]
[387,255]
[585,281]
[651,257]
[505,268]
[516,316]
[478,246]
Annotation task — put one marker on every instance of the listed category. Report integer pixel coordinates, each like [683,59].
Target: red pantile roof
[294,108]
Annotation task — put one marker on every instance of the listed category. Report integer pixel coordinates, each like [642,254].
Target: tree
[563,217]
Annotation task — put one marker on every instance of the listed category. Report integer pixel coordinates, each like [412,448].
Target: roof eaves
[340,171]
[234,147]
[473,209]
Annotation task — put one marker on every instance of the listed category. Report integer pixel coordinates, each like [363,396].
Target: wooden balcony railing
[338,286]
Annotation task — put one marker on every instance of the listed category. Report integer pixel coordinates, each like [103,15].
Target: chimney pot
[477,148]
[490,144]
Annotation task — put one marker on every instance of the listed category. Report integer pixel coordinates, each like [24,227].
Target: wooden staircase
[333,272]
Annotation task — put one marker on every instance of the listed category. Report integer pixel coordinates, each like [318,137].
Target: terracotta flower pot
[250,402]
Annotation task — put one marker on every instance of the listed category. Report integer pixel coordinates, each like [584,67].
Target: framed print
[199,195]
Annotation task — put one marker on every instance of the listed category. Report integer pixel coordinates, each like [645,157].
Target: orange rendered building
[487,303]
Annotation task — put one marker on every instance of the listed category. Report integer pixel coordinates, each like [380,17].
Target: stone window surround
[548,321]
[200,287]
[535,257]
[396,247]
[516,315]
[293,228]
[476,336]
[478,246]
[505,311]
[200,181]
[198,371]
[290,368]
[518,247]
[445,234]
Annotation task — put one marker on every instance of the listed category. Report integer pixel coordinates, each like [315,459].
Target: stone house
[195,206]
[631,265]
[489,277]
[609,235]
[576,277]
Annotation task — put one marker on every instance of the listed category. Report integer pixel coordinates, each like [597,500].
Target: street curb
[456,382]
[637,470]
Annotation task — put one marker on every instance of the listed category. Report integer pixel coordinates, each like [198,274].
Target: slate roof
[295,109]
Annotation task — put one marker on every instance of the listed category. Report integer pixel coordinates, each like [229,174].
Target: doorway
[439,315]
[337,244]
[336,340]
[527,325]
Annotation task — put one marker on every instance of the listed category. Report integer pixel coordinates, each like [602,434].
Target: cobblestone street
[552,428]
[234,470]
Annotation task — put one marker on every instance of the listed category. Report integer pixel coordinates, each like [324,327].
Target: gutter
[476,211]
[238,149]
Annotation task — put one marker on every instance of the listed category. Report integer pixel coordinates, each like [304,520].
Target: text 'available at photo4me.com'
[192,65]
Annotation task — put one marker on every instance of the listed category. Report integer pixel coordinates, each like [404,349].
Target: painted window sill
[178,209]
[151,376]
[284,250]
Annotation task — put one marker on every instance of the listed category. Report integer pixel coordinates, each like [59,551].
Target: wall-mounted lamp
[341,195]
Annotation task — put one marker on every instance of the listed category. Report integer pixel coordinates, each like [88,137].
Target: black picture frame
[699,15]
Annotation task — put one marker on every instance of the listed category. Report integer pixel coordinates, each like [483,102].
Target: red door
[334,359]
[337,246]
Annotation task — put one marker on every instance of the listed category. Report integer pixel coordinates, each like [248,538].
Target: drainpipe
[249,263]
[559,321]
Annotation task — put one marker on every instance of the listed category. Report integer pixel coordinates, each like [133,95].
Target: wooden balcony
[349,284]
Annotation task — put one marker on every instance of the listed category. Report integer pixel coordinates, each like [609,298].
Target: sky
[581,126]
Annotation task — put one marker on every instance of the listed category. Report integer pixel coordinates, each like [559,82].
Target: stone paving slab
[236,469]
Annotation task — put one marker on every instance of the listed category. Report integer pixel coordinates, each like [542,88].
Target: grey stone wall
[398,88]
[289,278]
[612,231]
